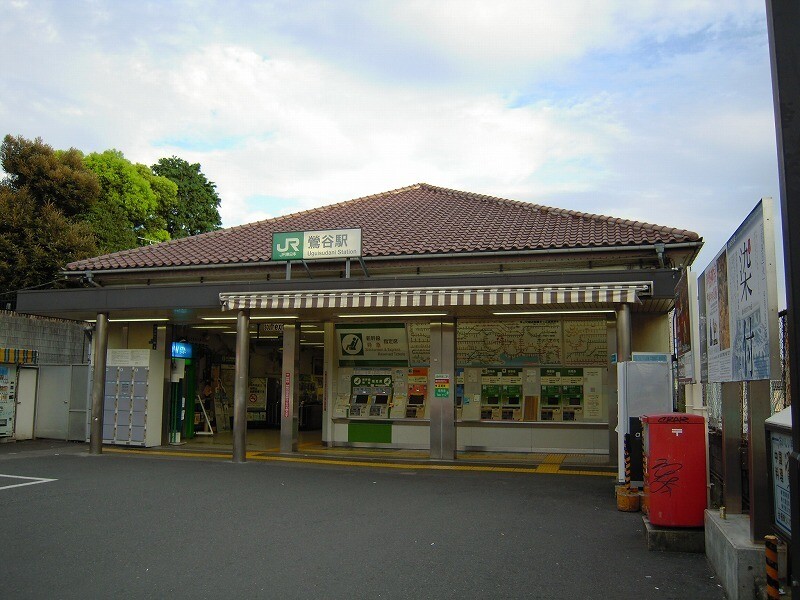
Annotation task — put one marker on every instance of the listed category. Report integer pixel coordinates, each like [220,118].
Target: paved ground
[148,526]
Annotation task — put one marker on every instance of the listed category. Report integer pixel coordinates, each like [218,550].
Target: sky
[647,110]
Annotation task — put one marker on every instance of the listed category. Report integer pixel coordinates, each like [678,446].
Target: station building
[422,317]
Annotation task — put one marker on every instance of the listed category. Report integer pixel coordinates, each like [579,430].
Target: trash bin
[675,469]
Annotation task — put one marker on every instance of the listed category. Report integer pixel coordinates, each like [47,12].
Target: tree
[197,208]
[49,176]
[42,199]
[36,242]
[131,204]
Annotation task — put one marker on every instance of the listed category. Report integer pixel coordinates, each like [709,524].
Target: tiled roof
[415,220]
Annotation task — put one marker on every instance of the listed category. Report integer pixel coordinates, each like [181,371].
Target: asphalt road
[121,526]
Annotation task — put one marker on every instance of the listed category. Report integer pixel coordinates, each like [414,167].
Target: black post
[783,24]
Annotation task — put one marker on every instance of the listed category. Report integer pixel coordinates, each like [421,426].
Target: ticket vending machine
[380,401]
[511,403]
[551,404]
[359,402]
[415,405]
[490,405]
[370,396]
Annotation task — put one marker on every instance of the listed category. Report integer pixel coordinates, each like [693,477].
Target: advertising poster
[257,393]
[703,324]
[738,298]
[781,445]
[683,330]
[748,303]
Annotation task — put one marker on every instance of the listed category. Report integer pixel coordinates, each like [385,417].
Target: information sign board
[312,245]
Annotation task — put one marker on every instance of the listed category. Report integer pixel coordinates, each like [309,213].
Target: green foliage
[60,206]
[197,207]
[36,241]
[49,176]
[132,202]
[43,199]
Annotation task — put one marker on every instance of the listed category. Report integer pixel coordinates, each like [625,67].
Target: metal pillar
[759,410]
[731,447]
[441,400]
[623,333]
[783,23]
[241,386]
[98,383]
[328,383]
[290,406]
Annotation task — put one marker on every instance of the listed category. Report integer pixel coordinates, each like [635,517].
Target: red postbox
[675,469]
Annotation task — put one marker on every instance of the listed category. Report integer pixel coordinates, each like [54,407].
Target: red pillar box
[675,458]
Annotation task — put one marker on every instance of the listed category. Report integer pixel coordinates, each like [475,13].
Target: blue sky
[652,111]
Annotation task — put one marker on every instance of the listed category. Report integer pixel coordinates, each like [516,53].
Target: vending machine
[511,398]
[417,393]
[8,398]
[550,394]
[370,396]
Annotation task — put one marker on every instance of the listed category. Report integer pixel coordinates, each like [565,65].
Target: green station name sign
[311,245]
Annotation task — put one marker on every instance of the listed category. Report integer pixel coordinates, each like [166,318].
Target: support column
[290,409]
[98,383]
[759,410]
[441,400]
[329,383]
[783,20]
[241,386]
[623,333]
[731,443]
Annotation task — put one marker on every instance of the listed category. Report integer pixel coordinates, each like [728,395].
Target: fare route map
[520,343]
[509,343]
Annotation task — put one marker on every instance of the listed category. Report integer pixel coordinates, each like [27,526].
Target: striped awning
[18,356]
[437,298]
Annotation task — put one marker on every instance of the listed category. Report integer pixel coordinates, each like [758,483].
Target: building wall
[59,342]
[650,332]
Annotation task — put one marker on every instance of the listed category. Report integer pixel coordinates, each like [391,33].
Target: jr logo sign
[287,246]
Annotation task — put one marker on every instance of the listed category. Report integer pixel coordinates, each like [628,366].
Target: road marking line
[33,481]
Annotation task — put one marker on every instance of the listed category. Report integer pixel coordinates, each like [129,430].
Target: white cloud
[647,110]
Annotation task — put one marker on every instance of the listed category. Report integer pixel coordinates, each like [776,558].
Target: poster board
[739,304]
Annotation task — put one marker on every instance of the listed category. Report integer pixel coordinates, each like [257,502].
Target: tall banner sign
[739,301]
[683,330]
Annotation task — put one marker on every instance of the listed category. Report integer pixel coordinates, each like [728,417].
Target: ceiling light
[143,320]
[555,312]
[257,318]
[392,315]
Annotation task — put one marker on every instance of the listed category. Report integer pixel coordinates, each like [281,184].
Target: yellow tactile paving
[551,467]
[551,463]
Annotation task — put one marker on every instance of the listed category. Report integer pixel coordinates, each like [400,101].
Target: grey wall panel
[52,402]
